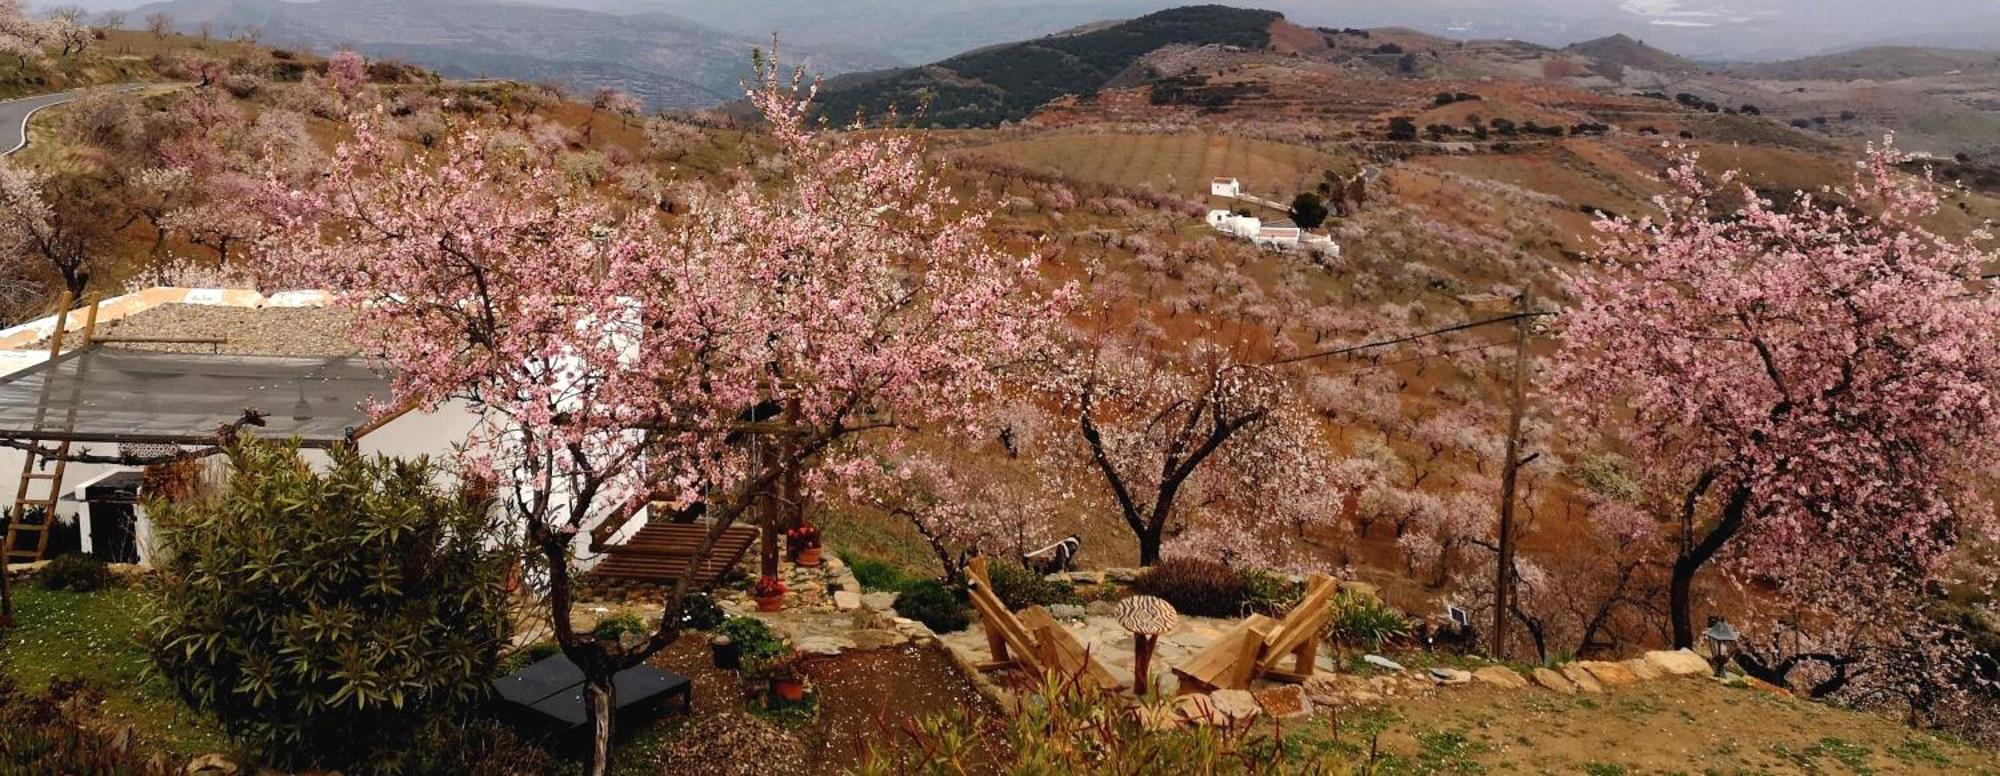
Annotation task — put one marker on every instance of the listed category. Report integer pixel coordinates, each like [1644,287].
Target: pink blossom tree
[618,359]
[1809,381]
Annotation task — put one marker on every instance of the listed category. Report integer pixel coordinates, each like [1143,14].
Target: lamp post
[1721,642]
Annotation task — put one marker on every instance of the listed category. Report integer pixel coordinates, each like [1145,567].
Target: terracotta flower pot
[792,690]
[770,603]
[809,556]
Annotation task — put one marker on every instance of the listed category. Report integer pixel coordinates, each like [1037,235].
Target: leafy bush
[1364,621]
[699,612]
[1270,594]
[1020,588]
[59,732]
[755,639]
[935,606]
[614,626]
[1196,586]
[329,619]
[480,746]
[77,573]
[878,574]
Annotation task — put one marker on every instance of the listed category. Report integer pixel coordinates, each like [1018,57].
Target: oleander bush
[331,619]
[934,605]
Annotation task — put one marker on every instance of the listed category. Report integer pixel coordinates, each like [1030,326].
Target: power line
[1408,338]
[1425,357]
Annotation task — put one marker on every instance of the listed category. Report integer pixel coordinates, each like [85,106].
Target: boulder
[1553,681]
[1583,680]
[1501,676]
[876,638]
[1156,719]
[1236,705]
[1122,576]
[881,602]
[1609,674]
[834,565]
[1284,701]
[1382,662]
[212,764]
[1198,709]
[1640,668]
[1451,676]
[846,600]
[1679,662]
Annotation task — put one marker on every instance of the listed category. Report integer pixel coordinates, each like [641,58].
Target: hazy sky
[927,29]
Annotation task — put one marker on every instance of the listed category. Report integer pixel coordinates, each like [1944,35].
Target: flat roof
[103,394]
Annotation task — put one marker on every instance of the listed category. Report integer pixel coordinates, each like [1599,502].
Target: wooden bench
[1258,644]
[660,552]
[1033,640]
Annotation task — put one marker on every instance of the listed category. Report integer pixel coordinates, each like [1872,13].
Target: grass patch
[1919,750]
[1595,768]
[95,635]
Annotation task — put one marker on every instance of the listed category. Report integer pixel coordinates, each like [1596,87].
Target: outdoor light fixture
[1721,642]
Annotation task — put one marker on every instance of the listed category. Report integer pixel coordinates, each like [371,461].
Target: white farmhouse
[1281,233]
[1225,187]
[1228,222]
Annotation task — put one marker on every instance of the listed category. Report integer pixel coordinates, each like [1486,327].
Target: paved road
[14,115]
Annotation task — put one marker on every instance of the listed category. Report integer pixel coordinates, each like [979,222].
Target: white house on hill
[1230,223]
[1225,187]
[1281,233]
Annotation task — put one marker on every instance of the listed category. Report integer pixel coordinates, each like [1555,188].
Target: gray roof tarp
[181,398]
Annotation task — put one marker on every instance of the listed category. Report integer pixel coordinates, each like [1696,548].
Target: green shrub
[934,605]
[1196,586]
[700,612]
[878,574]
[614,626]
[330,619]
[756,640]
[480,746]
[1020,588]
[1364,621]
[1270,594]
[77,573]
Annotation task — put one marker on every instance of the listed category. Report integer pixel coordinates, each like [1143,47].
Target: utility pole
[1503,587]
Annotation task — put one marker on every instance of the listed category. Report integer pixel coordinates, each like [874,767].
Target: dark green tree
[330,619]
[1308,210]
[1402,128]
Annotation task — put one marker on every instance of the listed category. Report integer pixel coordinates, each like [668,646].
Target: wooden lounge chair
[1258,644]
[660,551]
[1032,640]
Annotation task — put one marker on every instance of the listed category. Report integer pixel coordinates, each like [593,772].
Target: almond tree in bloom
[618,359]
[962,503]
[1804,382]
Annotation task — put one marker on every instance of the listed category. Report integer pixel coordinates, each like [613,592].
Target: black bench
[549,694]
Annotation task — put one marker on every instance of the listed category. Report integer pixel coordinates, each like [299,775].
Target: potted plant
[770,594]
[749,642]
[727,653]
[787,682]
[803,542]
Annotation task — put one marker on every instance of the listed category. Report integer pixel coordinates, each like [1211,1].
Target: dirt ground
[1679,726]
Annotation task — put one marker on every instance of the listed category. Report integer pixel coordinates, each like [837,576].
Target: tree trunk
[598,705]
[1680,589]
[1149,548]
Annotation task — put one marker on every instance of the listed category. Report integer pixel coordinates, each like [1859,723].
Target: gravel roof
[259,331]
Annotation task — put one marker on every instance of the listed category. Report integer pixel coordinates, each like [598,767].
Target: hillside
[1882,63]
[1007,82]
[667,61]
[1616,53]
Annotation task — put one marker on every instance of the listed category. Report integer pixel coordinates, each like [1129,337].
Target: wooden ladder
[18,547]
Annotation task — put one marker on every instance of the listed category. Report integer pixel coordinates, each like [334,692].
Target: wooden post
[1142,662]
[1503,586]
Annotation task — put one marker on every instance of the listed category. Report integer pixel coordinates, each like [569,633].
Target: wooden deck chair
[1032,640]
[1258,644]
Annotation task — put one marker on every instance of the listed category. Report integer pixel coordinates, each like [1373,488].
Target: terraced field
[1180,163]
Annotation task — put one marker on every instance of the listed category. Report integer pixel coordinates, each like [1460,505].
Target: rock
[1645,671]
[880,602]
[1156,719]
[1382,662]
[1236,705]
[211,764]
[1122,576]
[1553,681]
[1198,709]
[877,639]
[1101,609]
[1325,688]
[1501,676]
[1451,676]
[1284,701]
[1066,611]
[1609,674]
[834,565]
[823,645]
[1679,662]
[846,600]
[1583,680]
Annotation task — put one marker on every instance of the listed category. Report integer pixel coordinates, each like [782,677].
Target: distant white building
[1281,233]
[1225,187]
[1230,223]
